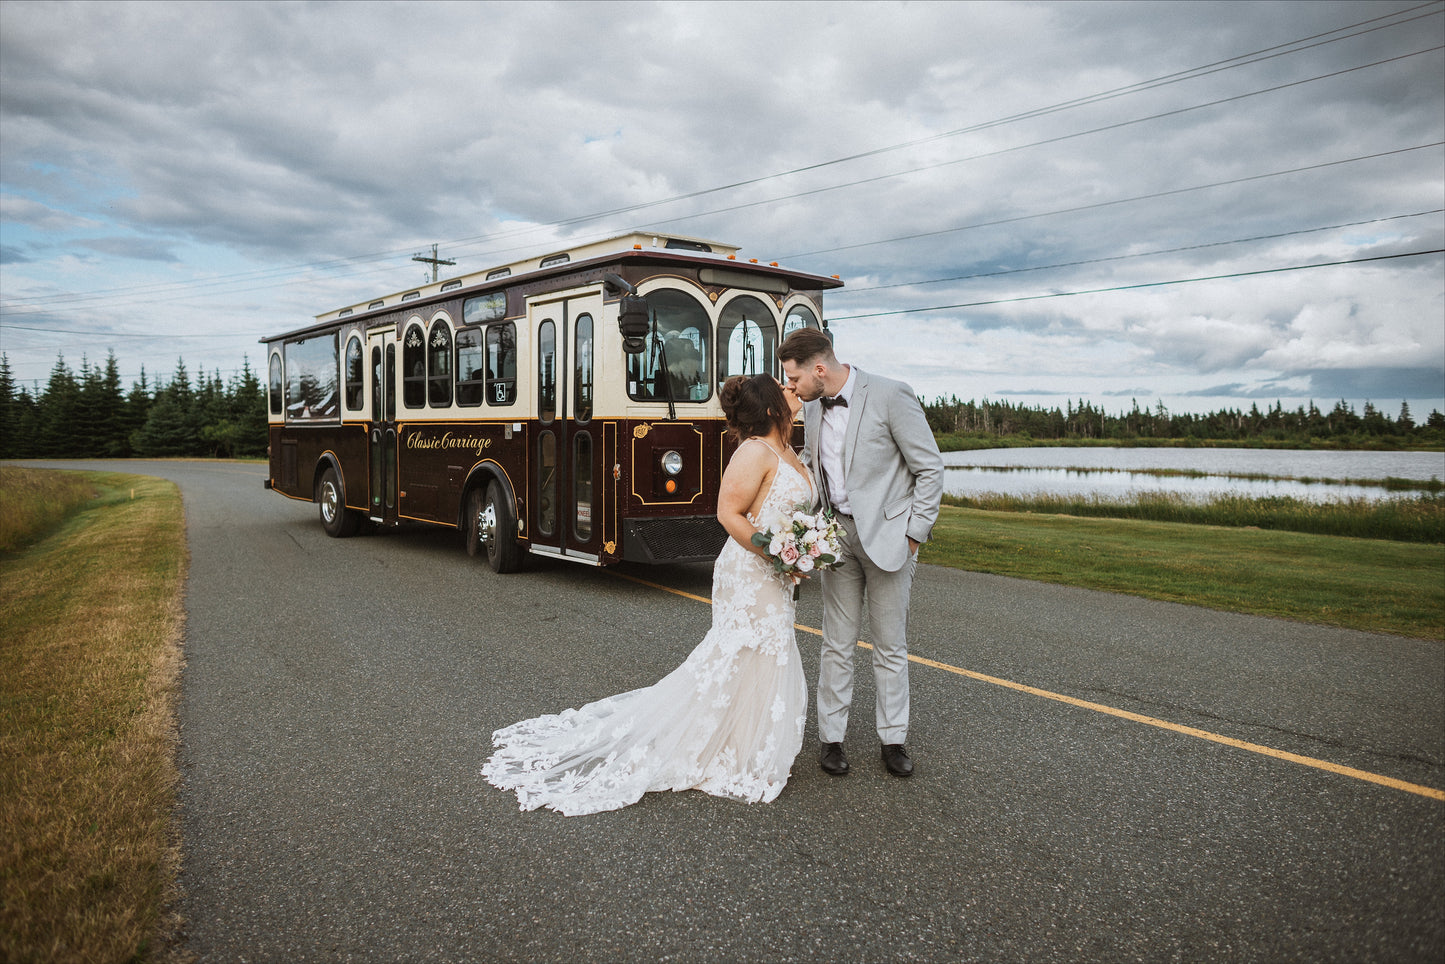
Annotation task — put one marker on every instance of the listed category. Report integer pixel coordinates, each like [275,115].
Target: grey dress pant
[845,590]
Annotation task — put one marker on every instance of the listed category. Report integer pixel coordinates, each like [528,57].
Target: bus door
[567,455]
[381,443]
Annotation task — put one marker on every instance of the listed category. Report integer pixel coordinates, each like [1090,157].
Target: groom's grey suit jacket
[891,466]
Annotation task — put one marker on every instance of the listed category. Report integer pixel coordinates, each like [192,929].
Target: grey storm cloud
[1004,156]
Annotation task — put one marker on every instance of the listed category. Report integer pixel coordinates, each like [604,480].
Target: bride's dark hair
[754,405]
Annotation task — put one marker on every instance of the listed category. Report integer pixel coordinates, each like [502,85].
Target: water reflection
[1121,473]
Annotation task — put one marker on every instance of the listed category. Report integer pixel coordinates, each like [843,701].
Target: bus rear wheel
[492,528]
[338,521]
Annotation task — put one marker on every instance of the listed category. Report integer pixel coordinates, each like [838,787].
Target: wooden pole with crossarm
[433,261]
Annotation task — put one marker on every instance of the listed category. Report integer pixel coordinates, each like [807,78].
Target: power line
[1040,143]
[1117,201]
[1149,284]
[1139,254]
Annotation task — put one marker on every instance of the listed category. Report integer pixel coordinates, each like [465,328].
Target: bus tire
[338,521]
[497,525]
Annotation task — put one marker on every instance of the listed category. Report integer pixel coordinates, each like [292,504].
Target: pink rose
[789,555]
[815,550]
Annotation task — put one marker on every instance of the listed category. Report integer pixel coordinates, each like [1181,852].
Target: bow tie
[835,400]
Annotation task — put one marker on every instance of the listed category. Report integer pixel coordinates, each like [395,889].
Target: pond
[1126,472]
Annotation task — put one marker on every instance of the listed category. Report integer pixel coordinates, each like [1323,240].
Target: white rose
[805,563]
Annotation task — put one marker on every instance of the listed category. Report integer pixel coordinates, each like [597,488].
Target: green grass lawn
[1370,584]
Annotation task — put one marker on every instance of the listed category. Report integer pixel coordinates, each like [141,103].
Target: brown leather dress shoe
[896,759]
[833,760]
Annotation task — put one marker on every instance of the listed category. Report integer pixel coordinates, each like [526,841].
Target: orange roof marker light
[752,261]
[773,263]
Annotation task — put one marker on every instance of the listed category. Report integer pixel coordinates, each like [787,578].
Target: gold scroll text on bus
[565,405]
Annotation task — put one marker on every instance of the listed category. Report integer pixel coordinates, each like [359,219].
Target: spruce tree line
[1340,425]
[87,414]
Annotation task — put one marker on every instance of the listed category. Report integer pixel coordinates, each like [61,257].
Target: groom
[869,444]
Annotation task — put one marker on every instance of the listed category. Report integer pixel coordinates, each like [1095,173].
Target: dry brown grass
[36,501]
[89,679]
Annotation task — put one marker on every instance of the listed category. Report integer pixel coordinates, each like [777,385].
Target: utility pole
[433,261]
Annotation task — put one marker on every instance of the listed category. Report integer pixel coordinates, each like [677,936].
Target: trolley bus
[564,405]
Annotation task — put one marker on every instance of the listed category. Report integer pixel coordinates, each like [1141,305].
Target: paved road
[338,697]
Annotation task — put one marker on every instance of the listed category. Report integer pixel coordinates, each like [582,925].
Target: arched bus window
[682,329]
[547,372]
[439,365]
[471,367]
[277,390]
[799,316]
[355,374]
[582,370]
[413,367]
[747,339]
[502,364]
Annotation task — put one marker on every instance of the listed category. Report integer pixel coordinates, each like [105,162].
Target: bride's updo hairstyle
[754,405]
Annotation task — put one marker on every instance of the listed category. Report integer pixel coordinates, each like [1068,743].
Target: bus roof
[621,245]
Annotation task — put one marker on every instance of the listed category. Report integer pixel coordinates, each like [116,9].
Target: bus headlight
[671,463]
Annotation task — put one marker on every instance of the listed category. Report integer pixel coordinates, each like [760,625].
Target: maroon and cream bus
[564,405]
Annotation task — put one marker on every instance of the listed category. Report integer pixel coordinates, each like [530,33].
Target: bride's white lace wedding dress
[728,721]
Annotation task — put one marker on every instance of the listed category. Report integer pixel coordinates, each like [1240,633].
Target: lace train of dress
[728,721]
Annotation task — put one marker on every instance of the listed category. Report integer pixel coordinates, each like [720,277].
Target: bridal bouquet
[800,541]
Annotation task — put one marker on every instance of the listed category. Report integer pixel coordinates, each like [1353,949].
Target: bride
[729,720]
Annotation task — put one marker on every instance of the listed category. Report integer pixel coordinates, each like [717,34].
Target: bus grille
[689,539]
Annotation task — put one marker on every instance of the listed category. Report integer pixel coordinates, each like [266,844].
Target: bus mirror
[632,323]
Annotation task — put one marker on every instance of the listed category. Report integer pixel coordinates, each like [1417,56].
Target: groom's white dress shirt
[831,437]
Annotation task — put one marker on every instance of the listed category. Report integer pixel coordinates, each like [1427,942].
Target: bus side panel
[297,452]
[435,459]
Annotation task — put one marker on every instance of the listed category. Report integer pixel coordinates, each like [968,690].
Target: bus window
[413,368]
[439,365]
[582,485]
[547,487]
[799,316]
[311,376]
[390,394]
[501,364]
[276,390]
[747,339]
[547,371]
[582,382]
[355,375]
[376,383]
[681,329]
[471,375]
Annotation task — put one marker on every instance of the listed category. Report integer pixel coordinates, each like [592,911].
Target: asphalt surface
[339,695]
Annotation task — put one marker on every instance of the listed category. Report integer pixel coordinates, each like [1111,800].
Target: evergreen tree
[10,447]
[135,412]
[248,411]
[1405,423]
[59,412]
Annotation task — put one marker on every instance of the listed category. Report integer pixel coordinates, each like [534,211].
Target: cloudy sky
[1204,204]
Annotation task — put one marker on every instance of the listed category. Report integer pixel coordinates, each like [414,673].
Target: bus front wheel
[338,521]
[492,528]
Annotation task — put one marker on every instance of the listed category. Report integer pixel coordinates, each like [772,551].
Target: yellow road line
[1365,775]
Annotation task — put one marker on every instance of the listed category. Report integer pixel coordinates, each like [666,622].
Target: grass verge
[1369,584]
[36,502]
[89,679]
[1418,519]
